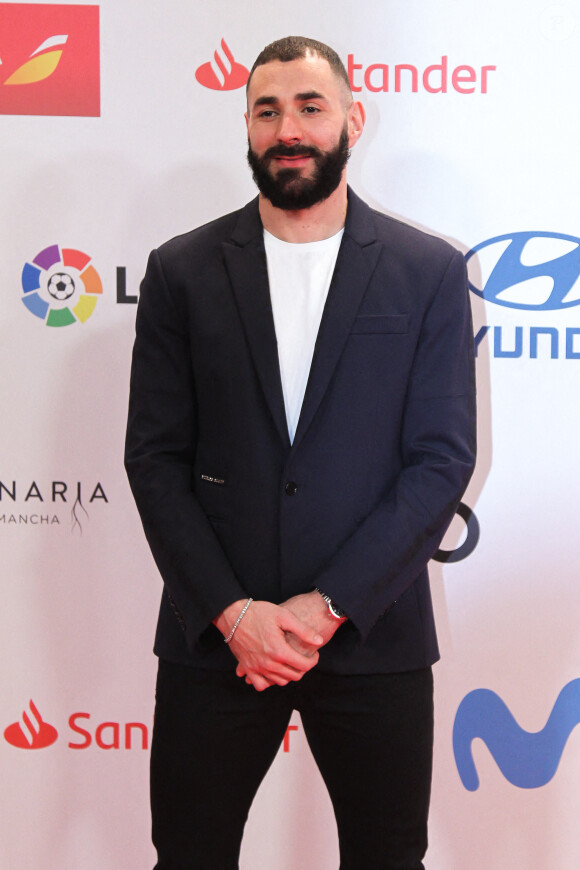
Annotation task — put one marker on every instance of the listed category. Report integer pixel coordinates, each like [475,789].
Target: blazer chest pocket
[381,324]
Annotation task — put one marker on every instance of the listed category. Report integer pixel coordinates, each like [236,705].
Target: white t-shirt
[299,276]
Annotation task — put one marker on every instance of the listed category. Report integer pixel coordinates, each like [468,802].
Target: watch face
[336,611]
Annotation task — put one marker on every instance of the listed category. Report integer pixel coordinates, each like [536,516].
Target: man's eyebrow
[309,95]
[265,101]
[301,98]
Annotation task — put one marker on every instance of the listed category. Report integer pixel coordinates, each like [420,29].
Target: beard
[288,189]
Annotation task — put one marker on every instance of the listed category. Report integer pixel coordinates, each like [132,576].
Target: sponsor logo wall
[119,130]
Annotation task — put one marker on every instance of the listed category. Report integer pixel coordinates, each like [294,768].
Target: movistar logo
[527,759]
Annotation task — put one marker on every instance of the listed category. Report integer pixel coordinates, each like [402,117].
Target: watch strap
[333,609]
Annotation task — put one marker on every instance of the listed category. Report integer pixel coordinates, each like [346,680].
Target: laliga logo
[41,64]
[31,732]
[526,759]
[60,286]
[223,73]
[534,271]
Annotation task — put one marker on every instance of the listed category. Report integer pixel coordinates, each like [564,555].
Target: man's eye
[311,110]
[266,113]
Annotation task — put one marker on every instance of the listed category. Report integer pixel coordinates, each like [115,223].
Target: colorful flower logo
[60,286]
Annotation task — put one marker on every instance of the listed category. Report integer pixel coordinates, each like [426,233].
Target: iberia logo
[60,286]
[222,73]
[49,59]
[31,732]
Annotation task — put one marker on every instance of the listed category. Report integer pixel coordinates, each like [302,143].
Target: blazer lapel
[356,261]
[245,259]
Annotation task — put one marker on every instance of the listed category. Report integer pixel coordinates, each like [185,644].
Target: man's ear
[355,120]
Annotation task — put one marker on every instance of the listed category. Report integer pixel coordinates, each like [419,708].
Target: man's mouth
[298,160]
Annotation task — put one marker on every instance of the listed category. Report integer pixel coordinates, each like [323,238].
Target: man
[301,429]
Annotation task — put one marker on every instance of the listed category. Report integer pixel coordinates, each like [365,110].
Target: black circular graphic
[60,286]
[469,544]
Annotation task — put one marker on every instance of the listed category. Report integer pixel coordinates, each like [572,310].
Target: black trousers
[215,737]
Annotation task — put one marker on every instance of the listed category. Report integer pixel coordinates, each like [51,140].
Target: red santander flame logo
[31,732]
[223,73]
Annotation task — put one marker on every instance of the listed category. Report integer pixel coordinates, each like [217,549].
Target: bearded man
[301,430]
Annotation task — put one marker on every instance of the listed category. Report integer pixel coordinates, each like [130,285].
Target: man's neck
[314,224]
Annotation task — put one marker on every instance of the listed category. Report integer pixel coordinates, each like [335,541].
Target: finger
[305,648]
[258,681]
[275,680]
[288,660]
[277,665]
[276,671]
[308,635]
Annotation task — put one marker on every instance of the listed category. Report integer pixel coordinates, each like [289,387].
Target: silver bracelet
[238,620]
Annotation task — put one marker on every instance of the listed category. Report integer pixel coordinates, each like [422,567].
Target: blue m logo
[526,759]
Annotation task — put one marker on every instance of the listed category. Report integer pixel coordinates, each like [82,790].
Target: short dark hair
[294,47]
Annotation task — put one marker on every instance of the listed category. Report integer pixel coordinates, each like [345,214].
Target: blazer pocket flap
[371,324]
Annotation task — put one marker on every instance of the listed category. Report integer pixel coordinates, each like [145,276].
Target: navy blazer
[384,447]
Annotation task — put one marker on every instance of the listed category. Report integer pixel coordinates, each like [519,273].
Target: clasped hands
[275,644]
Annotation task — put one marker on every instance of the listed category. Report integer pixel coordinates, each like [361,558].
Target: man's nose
[289,129]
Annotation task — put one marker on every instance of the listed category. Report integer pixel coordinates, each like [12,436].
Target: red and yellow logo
[49,60]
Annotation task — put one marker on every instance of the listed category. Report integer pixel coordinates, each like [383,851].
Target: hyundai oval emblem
[535,271]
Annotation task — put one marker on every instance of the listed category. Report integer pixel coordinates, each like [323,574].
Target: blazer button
[290,488]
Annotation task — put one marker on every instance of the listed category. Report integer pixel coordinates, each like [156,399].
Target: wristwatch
[333,609]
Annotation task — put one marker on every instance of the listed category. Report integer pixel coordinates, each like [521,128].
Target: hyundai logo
[534,271]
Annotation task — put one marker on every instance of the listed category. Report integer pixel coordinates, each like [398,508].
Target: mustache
[290,151]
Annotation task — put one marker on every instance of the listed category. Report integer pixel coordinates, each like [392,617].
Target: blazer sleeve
[391,547]
[159,452]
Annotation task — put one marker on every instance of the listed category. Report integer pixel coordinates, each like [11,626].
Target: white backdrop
[79,588]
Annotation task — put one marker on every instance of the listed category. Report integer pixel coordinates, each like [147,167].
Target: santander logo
[223,73]
[31,732]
